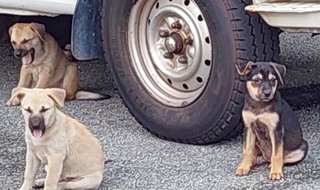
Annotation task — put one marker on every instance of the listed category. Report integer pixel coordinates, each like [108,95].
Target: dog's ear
[280,71]
[39,29]
[57,95]
[17,95]
[247,69]
[10,31]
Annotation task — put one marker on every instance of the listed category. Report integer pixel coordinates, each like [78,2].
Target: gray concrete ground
[141,161]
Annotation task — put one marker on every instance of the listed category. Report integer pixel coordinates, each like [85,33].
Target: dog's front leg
[70,81]
[43,80]
[55,165]
[249,152]
[25,79]
[276,166]
[32,165]
[273,123]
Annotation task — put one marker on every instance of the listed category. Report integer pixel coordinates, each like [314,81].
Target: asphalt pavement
[139,160]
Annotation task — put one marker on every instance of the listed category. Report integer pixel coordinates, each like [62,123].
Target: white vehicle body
[289,15]
[38,7]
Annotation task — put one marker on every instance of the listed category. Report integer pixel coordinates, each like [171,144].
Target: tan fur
[72,155]
[50,68]
[249,155]
[276,167]
[253,91]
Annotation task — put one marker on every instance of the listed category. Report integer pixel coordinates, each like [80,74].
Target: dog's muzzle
[27,56]
[18,53]
[37,126]
[266,95]
[267,92]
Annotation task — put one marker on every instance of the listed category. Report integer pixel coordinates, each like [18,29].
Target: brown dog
[44,65]
[72,156]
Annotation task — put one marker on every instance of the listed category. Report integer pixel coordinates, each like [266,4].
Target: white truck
[173,61]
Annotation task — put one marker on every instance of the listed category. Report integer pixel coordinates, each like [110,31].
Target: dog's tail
[86,95]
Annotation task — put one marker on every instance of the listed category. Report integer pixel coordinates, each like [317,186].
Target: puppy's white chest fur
[45,147]
[270,119]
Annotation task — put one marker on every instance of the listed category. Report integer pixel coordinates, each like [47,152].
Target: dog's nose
[35,122]
[18,53]
[267,92]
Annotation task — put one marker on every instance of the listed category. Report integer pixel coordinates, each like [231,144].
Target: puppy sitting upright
[272,128]
[73,157]
[44,65]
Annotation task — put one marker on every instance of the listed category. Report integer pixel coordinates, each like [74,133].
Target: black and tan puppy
[272,129]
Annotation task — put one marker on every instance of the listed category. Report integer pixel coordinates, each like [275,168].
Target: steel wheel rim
[170,49]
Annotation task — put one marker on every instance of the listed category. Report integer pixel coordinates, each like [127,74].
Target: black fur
[288,130]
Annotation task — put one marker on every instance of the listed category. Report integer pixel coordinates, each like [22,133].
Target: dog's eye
[273,81]
[28,110]
[24,41]
[257,81]
[44,109]
[13,43]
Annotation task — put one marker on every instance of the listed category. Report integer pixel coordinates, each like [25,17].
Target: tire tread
[254,40]
[264,43]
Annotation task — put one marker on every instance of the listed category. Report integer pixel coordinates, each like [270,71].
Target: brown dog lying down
[44,65]
[73,157]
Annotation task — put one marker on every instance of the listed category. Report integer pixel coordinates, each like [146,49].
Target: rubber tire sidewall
[178,124]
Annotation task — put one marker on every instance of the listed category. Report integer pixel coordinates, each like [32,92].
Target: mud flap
[86,39]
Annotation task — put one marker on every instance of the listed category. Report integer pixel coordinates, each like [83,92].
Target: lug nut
[188,41]
[168,55]
[183,59]
[164,33]
[176,25]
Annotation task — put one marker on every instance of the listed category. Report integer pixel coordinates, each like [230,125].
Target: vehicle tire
[178,79]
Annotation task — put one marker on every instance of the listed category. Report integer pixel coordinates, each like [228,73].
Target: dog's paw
[67,52]
[242,170]
[275,175]
[38,183]
[276,172]
[8,103]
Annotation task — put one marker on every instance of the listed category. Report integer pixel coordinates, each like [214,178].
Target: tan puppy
[73,156]
[44,65]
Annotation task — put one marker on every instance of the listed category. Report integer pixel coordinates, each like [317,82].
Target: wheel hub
[174,43]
